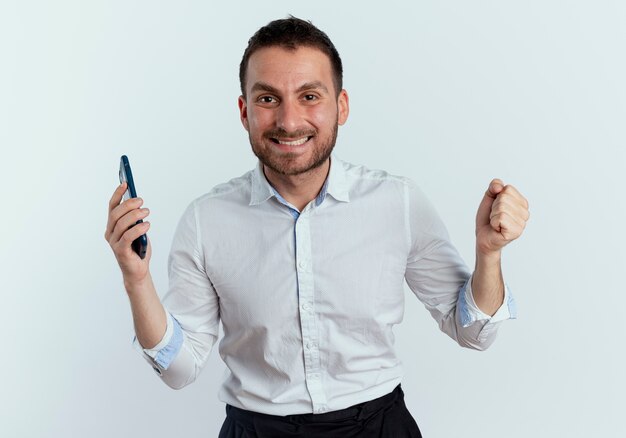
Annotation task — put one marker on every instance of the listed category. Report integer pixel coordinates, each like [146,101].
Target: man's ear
[243,112]
[343,107]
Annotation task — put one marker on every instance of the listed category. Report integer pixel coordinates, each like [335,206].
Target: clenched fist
[501,217]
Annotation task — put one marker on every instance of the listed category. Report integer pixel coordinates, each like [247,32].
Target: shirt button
[302,265]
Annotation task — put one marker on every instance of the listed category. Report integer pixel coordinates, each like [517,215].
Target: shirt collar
[261,190]
[335,184]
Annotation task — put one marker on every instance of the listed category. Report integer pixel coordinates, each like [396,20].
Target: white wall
[449,93]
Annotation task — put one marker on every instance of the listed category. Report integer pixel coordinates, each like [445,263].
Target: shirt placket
[308,320]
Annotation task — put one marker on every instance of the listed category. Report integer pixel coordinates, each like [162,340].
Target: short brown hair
[291,33]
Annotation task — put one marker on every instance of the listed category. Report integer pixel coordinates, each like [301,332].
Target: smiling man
[292,105]
[304,259]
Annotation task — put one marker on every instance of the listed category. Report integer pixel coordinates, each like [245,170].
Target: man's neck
[301,189]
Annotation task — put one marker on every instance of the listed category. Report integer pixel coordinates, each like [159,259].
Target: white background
[449,93]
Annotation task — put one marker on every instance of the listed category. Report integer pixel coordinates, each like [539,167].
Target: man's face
[291,111]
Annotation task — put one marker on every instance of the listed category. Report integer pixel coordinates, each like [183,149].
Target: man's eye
[310,97]
[267,99]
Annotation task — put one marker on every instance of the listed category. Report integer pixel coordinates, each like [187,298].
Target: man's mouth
[296,142]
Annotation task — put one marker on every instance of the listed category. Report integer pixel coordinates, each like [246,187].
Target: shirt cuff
[167,349]
[470,313]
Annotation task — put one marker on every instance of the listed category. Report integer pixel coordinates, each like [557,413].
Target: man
[303,260]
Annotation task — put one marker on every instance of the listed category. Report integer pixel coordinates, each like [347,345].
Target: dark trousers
[384,417]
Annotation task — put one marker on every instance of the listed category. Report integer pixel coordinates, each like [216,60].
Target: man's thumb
[484,209]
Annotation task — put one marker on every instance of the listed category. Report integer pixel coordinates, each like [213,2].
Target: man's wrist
[135,286]
[486,258]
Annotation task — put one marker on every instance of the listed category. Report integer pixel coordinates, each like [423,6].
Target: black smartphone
[140,244]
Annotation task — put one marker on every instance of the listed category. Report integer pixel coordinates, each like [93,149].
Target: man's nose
[288,116]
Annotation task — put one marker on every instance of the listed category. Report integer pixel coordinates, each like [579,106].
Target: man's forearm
[487,282]
[149,316]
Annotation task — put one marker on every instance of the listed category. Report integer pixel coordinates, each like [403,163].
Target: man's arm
[488,284]
[501,218]
[148,314]
[438,276]
[176,349]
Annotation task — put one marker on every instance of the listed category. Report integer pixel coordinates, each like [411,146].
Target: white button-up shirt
[308,299]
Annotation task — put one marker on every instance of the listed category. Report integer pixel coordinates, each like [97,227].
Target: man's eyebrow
[312,86]
[263,86]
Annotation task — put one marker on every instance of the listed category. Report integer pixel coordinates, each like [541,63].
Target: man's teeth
[295,142]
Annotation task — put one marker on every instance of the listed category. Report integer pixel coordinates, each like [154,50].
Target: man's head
[292,101]
[291,33]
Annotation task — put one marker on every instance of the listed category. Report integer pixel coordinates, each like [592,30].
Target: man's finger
[117,196]
[508,226]
[114,202]
[484,209]
[510,205]
[119,211]
[495,186]
[127,220]
[512,191]
[133,233]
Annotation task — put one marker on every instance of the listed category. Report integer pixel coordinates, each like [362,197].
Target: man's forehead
[273,65]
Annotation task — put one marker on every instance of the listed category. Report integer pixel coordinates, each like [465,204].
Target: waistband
[359,411]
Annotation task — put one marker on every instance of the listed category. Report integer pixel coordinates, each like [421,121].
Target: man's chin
[292,167]
[293,163]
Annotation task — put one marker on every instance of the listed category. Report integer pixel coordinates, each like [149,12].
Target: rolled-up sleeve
[192,307]
[485,326]
[441,280]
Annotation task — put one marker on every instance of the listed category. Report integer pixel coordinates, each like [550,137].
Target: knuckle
[499,211]
[130,203]
[504,196]
[134,203]
[116,213]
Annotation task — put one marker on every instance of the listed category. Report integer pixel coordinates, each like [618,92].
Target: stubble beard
[284,164]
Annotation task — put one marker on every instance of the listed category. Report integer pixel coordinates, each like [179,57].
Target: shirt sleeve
[192,309]
[167,349]
[470,314]
[441,280]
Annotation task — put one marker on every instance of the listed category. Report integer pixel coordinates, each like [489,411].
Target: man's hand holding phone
[126,233]
[122,230]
